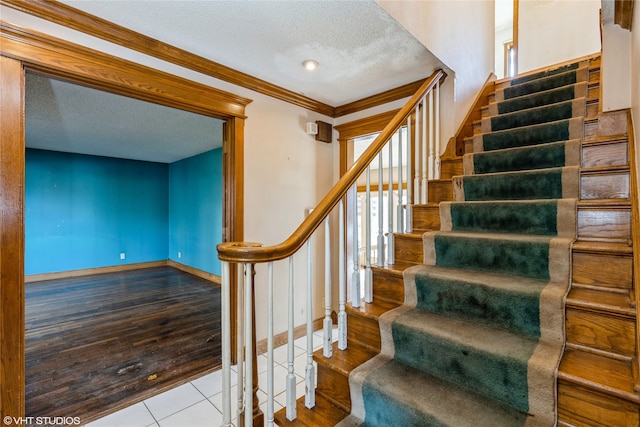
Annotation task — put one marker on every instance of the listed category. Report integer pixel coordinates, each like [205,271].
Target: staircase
[595,379]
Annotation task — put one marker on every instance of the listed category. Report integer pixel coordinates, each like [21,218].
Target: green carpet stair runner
[480,335]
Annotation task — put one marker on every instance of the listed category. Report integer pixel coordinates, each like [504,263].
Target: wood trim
[357,128]
[64,60]
[455,146]
[365,126]
[117,268]
[89,271]
[76,19]
[213,278]
[623,13]
[233,214]
[12,160]
[382,98]
[36,52]
[635,239]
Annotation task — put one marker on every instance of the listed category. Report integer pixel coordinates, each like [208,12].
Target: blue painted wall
[83,211]
[195,210]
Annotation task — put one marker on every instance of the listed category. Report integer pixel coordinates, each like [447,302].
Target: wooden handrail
[255,253]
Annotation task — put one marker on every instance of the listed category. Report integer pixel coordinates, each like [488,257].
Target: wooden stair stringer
[596,375]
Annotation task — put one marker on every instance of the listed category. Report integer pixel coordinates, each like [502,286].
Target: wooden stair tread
[372,310]
[593,170]
[390,270]
[601,300]
[324,414]
[426,205]
[409,236]
[344,361]
[399,266]
[604,203]
[614,248]
[598,373]
[606,139]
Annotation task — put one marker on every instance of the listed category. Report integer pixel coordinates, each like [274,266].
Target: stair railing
[421,113]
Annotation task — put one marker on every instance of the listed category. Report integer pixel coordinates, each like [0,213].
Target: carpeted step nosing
[435,289]
[537,217]
[533,116]
[423,400]
[544,83]
[524,102]
[499,252]
[540,156]
[559,130]
[548,72]
[467,335]
[549,183]
[488,360]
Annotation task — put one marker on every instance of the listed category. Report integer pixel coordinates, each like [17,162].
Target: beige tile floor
[199,403]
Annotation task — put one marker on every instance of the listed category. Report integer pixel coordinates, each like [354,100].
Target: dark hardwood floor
[96,344]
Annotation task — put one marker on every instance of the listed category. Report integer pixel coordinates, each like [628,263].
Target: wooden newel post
[257,414]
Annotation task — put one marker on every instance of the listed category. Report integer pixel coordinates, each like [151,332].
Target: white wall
[286,172]
[461,35]
[553,31]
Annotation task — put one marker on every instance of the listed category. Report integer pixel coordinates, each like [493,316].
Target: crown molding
[364,126]
[78,20]
[404,91]
[48,55]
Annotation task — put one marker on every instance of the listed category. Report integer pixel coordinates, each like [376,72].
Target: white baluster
[424,148]
[291,376]
[368,276]
[417,164]
[355,276]
[327,350]
[342,315]
[270,364]
[432,141]
[400,209]
[380,212]
[248,328]
[310,372]
[240,341]
[437,132]
[225,295]
[390,242]
[409,213]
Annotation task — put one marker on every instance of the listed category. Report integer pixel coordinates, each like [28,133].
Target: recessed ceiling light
[310,64]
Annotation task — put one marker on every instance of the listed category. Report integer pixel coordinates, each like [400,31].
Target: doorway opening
[506,38]
[123,202]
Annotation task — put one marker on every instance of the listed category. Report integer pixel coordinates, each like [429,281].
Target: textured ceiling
[362,51]
[66,117]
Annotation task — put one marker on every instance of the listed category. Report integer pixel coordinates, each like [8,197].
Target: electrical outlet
[179,254]
[122,255]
